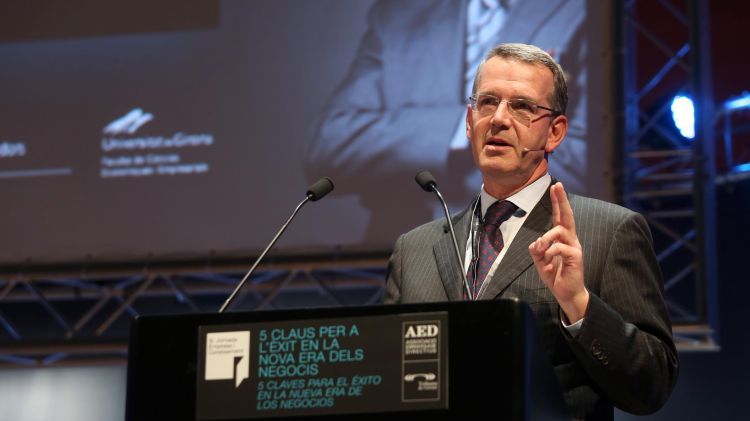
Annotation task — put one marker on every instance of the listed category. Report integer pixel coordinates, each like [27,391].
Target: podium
[434,361]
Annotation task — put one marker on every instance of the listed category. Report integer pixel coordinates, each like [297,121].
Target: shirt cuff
[574,328]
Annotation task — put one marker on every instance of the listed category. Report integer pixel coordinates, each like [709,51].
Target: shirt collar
[525,199]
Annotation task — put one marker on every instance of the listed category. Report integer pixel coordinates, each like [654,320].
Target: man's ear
[556,133]
[469,128]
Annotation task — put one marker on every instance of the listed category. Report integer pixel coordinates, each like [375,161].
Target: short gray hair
[532,55]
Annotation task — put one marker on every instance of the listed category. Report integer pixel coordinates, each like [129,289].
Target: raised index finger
[562,213]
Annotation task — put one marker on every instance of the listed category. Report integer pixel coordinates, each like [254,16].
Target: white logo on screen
[228,356]
[12,149]
[417,376]
[422,331]
[129,123]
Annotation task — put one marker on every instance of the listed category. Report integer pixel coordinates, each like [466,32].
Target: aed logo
[422,331]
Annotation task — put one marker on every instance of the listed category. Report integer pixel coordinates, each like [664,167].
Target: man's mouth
[498,143]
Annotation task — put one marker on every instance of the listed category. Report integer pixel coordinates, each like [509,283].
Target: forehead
[508,77]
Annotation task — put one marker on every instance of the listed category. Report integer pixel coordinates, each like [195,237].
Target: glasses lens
[523,107]
[486,104]
[522,110]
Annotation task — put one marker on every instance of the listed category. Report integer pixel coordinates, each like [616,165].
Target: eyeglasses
[523,110]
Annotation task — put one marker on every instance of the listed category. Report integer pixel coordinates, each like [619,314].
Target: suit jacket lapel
[448,268]
[517,259]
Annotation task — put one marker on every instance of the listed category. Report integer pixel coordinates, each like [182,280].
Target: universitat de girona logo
[129,123]
[119,135]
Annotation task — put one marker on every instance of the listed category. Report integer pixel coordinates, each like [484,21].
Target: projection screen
[182,130]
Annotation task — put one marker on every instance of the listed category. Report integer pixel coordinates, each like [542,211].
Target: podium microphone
[315,192]
[428,184]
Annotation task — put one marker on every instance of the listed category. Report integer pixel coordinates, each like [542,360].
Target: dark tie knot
[499,212]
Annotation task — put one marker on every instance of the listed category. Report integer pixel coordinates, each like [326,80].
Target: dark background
[716,385]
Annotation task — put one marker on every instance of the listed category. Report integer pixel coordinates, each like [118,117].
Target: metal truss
[52,320]
[667,178]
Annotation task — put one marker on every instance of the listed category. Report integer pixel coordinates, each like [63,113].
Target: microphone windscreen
[320,188]
[425,180]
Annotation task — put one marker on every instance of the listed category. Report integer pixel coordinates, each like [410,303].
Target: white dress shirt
[525,200]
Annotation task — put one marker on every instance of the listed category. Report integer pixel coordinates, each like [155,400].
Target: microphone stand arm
[262,255]
[455,244]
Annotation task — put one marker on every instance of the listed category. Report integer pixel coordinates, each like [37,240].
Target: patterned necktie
[490,243]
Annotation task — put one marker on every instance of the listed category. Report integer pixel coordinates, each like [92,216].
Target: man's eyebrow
[524,97]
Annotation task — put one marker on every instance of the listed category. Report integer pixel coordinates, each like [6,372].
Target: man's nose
[502,116]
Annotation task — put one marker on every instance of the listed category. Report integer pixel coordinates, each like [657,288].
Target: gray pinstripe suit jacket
[623,354]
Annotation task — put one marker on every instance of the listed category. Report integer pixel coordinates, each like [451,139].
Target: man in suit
[406,88]
[586,267]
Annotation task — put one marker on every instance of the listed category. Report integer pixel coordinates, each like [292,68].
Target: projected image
[190,131]
[402,105]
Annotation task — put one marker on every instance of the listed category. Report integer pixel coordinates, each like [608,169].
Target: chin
[494,168]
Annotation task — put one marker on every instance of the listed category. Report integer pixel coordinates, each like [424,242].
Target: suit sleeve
[378,123]
[625,342]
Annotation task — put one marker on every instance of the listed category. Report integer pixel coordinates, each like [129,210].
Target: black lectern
[436,361]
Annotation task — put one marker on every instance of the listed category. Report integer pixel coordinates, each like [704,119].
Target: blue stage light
[740,102]
[683,114]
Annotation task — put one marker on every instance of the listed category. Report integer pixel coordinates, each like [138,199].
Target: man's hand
[558,258]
